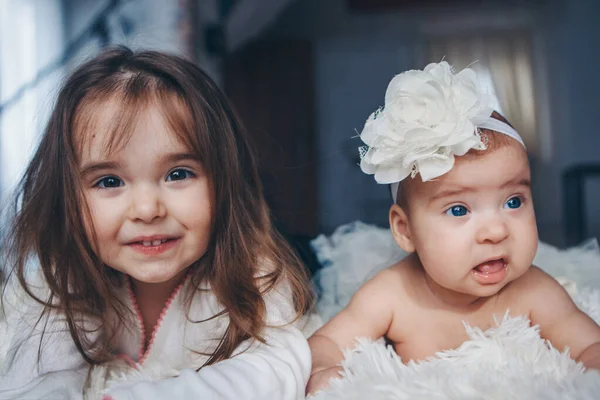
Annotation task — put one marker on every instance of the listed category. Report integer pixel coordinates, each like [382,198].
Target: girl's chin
[158,280]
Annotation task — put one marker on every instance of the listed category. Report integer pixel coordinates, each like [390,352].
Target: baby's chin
[488,290]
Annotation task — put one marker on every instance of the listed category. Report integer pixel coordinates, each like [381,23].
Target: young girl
[468,222]
[143,208]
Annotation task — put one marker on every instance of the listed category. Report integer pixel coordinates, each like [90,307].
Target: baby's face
[474,228]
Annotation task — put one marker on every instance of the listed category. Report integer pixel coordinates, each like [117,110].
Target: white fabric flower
[429,117]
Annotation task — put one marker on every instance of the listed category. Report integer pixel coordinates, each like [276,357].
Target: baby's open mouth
[491,266]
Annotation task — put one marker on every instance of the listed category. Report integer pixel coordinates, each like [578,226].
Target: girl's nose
[147,204]
[493,229]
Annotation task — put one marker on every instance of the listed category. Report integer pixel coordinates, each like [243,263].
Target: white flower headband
[429,117]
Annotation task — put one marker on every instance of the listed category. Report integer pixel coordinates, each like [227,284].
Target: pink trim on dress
[138,313]
[141,354]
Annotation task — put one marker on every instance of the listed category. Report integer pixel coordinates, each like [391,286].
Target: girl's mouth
[148,243]
[153,247]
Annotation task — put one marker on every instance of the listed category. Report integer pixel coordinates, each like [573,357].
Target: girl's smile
[153,246]
[149,199]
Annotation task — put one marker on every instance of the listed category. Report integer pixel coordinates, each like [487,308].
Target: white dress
[277,370]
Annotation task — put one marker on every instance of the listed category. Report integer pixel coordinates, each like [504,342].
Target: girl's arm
[28,371]
[277,370]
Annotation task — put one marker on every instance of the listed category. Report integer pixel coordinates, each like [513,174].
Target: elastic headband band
[491,124]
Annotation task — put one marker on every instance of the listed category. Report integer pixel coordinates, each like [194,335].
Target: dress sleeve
[54,370]
[278,369]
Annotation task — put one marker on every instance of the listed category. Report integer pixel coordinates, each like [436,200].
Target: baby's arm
[561,321]
[369,314]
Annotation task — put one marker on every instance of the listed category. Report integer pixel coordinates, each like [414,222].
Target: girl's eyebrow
[92,167]
[168,158]
[174,157]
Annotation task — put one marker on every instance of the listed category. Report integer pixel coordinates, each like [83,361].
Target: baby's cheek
[528,235]
[525,242]
[442,248]
[440,235]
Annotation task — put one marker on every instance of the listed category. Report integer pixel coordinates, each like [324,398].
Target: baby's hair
[49,221]
[493,141]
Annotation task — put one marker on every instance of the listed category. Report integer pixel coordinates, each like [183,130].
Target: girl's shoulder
[15,299]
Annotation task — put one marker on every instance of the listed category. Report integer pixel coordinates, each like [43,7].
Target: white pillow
[349,257]
[579,264]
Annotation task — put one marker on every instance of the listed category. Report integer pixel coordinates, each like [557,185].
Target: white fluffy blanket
[510,361]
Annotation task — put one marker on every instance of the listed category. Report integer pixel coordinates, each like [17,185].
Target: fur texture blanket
[510,361]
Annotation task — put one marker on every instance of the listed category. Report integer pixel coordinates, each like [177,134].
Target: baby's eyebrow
[451,192]
[518,182]
[466,189]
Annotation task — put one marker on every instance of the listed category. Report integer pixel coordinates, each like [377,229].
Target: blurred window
[30,41]
[503,62]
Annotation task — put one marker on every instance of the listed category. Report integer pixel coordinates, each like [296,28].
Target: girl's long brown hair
[49,221]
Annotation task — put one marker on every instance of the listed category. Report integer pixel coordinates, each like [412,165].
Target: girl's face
[474,228]
[149,200]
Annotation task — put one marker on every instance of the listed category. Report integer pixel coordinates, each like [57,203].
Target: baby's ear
[400,228]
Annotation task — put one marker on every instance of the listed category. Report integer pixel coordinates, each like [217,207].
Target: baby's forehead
[499,168]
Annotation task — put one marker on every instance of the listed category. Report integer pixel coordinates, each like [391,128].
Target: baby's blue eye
[457,211]
[109,182]
[513,202]
[179,175]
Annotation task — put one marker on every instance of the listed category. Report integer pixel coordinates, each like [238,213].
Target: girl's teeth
[148,243]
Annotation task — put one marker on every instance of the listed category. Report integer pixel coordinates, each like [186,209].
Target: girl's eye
[513,203]
[457,211]
[179,175]
[109,182]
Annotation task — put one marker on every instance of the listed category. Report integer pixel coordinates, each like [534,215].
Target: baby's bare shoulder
[532,280]
[387,285]
[533,287]
[396,276]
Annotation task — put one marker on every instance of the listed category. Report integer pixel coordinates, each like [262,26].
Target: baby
[468,223]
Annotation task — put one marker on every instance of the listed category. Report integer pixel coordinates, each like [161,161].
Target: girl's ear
[401,229]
